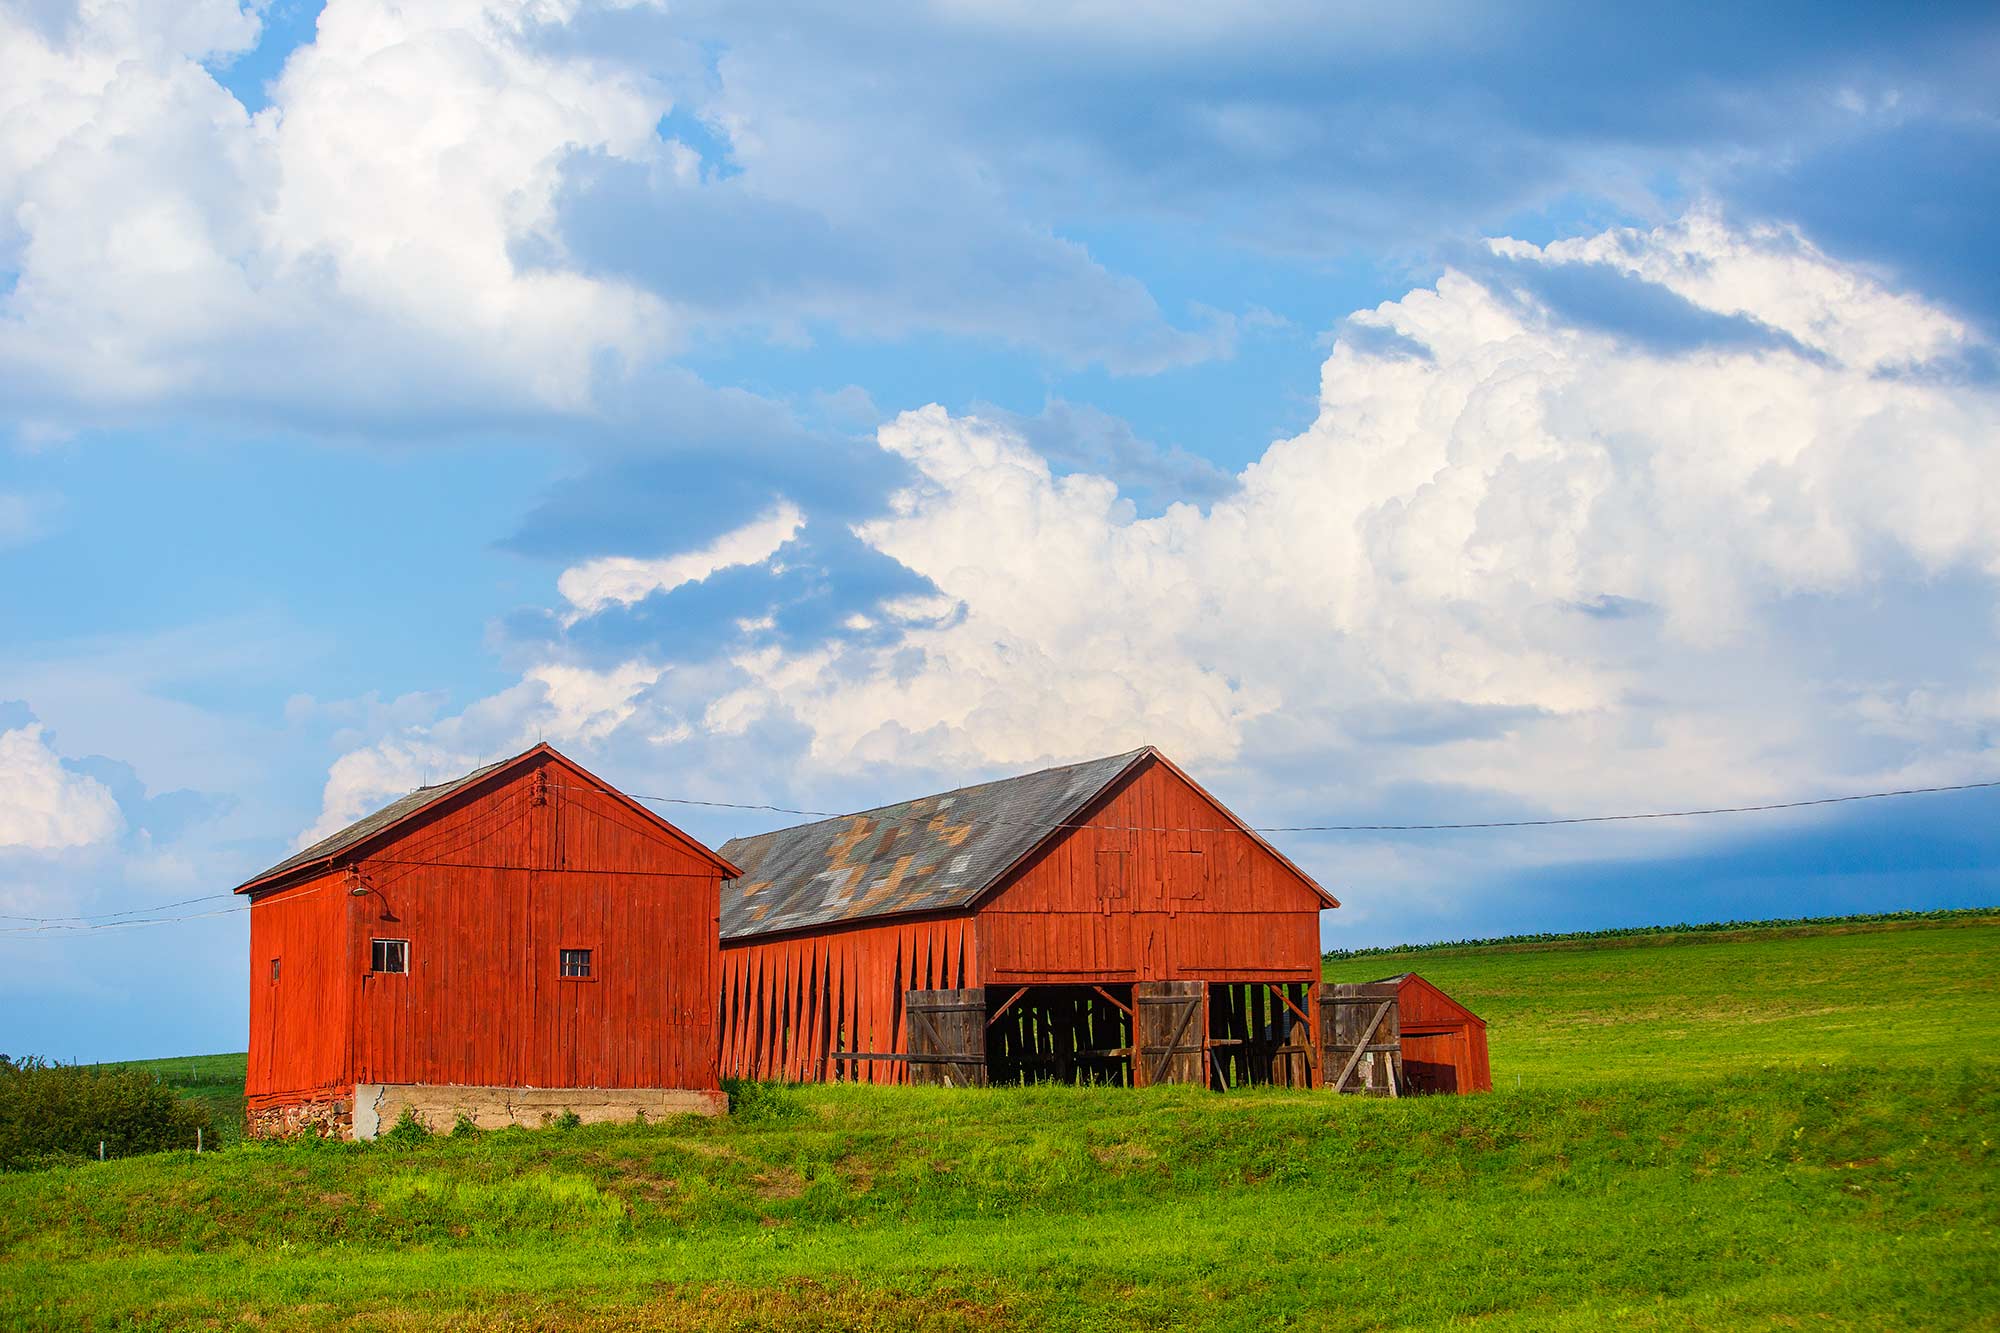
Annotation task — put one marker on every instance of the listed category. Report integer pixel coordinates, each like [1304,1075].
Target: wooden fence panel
[1363,1045]
[947,1036]
[1171,1044]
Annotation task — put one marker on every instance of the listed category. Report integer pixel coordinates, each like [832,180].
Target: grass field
[1792,1130]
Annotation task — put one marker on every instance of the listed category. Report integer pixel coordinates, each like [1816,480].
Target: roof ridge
[891,860]
[952,791]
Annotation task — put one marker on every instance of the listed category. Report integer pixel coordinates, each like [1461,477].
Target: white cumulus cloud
[1511,553]
[622,580]
[1519,562]
[377,239]
[43,806]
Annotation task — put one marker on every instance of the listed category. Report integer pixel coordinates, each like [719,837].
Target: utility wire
[117,920]
[1324,828]
[130,911]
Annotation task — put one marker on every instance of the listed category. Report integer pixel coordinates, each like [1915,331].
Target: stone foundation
[332,1118]
[378,1106]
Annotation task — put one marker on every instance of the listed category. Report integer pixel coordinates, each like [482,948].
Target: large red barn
[513,944]
[1105,921]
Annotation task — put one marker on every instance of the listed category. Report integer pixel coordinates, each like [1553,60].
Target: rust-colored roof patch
[930,854]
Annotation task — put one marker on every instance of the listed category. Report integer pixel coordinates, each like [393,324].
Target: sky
[1432,413]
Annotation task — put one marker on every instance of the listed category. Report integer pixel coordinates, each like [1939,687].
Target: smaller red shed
[1444,1043]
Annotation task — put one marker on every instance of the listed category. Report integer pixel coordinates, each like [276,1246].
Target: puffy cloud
[1521,562]
[587,705]
[378,239]
[621,580]
[1511,554]
[367,779]
[43,806]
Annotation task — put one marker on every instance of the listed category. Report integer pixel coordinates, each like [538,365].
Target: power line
[137,916]
[1328,828]
[130,911]
[86,929]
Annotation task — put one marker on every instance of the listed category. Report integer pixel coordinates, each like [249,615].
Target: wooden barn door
[1170,1038]
[1362,1035]
[947,1036]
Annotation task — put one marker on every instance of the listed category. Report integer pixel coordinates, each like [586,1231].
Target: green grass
[1692,1007]
[1784,1132]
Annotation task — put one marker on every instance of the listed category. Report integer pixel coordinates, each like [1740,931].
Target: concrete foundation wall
[378,1106]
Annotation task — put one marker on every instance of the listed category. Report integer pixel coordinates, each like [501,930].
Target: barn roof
[394,812]
[407,806]
[935,853]
[931,854]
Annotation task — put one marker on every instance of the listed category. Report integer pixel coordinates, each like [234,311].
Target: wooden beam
[1277,989]
[1125,1009]
[1001,1012]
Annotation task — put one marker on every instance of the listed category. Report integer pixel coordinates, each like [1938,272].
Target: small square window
[390,956]
[274,967]
[575,962]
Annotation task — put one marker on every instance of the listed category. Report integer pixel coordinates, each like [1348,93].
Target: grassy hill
[1776,1132]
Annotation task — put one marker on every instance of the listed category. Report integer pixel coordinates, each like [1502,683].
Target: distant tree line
[1701,928]
[54,1113]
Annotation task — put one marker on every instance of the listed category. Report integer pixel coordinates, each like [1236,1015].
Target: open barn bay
[1780,1130]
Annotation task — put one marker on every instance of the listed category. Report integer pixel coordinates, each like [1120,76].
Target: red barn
[1104,921]
[510,945]
[1444,1043]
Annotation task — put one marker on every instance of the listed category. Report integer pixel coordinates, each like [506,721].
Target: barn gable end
[1076,910]
[523,927]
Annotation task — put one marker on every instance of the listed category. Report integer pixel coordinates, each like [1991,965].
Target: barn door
[1363,1045]
[1170,1044]
[947,1036]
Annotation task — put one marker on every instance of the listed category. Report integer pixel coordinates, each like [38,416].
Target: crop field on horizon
[1782,1130]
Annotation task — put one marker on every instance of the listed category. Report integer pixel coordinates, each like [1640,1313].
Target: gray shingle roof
[931,854]
[369,825]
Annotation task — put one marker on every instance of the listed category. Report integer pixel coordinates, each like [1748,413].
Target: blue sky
[1470,411]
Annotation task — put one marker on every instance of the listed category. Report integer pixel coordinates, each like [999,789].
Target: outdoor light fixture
[361,890]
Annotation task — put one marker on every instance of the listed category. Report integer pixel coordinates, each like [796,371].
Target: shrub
[55,1112]
[568,1120]
[464,1127]
[753,1101]
[408,1131]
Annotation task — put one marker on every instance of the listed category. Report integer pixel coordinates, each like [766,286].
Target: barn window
[575,963]
[274,968]
[390,956]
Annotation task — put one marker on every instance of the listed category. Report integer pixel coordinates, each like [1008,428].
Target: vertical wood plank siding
[1116,904]
[1444,1043]
[487,890]
[790,1004]
[300,1047]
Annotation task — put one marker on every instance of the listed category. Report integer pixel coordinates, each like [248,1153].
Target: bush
[54,1112]
[408,1131]
[568,1120]
[750,1100]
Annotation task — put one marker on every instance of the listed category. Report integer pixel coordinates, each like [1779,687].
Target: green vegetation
[214,1082]
[1631,935]
[52,1113]
[1690,1008]
[1778,1133]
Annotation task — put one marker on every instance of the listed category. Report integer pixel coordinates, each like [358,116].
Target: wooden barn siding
[1439,1030]
[1120,904]
[487,890]
[299,1047]
[789,1004]
[1184,906]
